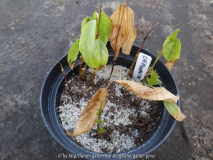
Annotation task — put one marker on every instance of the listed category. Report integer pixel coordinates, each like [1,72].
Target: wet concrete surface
[33,31]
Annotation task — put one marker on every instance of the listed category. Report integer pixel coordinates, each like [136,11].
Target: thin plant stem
[99,115]
[140,100]
[99,118]
[99,22]
[93,74]
[113,64]
[65,78]
[93,79]
[136,57]
[83,71]
[80,66]
[159,55]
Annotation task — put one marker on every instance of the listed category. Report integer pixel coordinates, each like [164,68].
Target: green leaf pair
[94,51]
[154,79]
[99,121]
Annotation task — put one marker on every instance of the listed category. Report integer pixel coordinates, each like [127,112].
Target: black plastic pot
[54,85]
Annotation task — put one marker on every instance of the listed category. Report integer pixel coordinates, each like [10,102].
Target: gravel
[69,114]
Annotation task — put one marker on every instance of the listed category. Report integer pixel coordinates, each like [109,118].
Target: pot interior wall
[53,88]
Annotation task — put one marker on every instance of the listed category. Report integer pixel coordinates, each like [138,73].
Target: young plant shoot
[171,50]
[153,79]
[92,43]
[99,121]
[65,78]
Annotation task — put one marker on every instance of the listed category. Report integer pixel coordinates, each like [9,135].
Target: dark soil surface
[145,125]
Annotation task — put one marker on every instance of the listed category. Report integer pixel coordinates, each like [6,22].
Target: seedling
[153,79]
[65,78]
[92,43]
[99,121]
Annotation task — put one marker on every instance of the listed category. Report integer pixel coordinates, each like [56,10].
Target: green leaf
[172,50]
[101,122]
[104,28]
[95,14]
[100,55]
[84,22]
[153,80]
[174,110]
[171,37]
[97,121]
[172,47]
[73,53]
[94,52]
[87,42]
[101,130]
[98,113]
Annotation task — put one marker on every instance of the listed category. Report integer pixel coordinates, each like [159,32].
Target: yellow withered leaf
[89,115]
[170,64]
[123,32]
[157,94]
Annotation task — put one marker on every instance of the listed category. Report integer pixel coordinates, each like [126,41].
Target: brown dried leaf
[157,94]
[131,31]
[123,31]
[170,64]
[117,39]
[87,118]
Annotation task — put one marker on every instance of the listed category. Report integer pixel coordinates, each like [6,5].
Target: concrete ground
[33,31]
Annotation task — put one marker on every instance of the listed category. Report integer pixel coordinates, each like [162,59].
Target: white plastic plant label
[141,66]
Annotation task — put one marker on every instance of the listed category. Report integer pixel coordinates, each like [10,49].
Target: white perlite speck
[69,115]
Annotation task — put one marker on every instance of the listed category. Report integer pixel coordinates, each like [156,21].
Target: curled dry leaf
[123,31]
[89,115]
[157,94]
